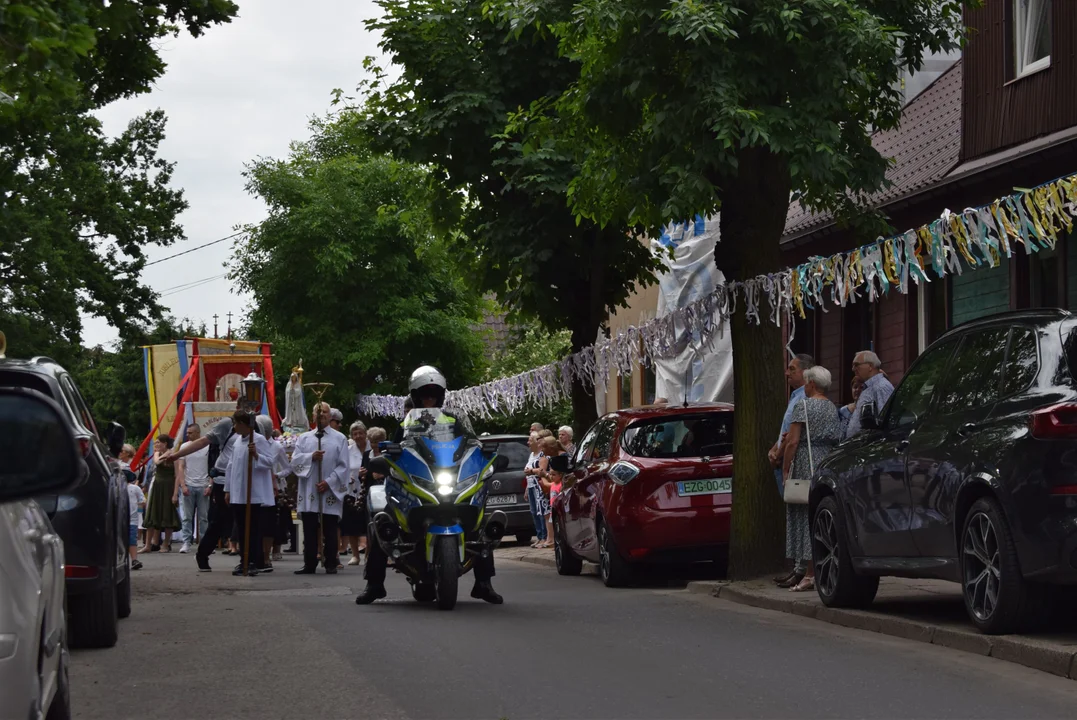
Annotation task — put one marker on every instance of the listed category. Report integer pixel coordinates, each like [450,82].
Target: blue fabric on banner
[181,352]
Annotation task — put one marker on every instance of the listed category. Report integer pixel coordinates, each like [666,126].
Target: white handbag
[796,490]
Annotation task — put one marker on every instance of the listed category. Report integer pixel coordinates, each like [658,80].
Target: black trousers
[220,522]
[329,540]
[377,561]
[239,514]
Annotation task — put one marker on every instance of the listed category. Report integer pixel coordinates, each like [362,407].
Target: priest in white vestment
[323,482]
[249,446]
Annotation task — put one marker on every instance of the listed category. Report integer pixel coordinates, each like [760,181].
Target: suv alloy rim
[603,551]
[826,550]
[981,565]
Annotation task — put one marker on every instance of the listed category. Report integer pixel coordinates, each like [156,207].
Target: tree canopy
[461,77]
[349,271]
[735,106]
[78,208]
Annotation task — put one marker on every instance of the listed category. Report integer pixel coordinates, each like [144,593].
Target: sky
[241,91]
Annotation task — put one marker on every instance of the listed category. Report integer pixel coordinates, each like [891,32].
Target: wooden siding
[829,355]
[891,333]
[999,111]
[979,292]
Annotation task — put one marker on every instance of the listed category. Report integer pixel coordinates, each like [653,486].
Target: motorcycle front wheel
[446,570]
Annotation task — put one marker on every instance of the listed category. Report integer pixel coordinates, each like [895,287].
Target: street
[214,646]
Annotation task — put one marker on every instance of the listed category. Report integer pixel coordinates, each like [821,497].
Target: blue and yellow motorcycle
[430,515]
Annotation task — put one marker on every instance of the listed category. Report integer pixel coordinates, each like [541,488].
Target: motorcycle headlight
[444,489]
[444,479]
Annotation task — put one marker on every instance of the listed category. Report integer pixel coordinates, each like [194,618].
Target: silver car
[39,452]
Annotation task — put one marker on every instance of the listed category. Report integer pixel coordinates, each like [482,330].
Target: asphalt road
[216,647]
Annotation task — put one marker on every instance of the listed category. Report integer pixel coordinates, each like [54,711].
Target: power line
[182,286]
[192,286]
[185,252]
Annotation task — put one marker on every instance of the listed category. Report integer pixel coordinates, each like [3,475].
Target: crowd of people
[543,479]
[199,490]
[812,427]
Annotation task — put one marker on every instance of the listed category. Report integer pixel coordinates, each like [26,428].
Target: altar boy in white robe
[249,444]
[320,499]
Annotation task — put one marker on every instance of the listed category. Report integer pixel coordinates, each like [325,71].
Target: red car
[648,485]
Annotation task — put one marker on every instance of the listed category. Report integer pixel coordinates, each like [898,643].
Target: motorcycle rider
[427,389]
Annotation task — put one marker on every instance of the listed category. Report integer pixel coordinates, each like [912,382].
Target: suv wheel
[567,563]
[836,580]
[997,597]
[94,618]
[123,591]
[612,568]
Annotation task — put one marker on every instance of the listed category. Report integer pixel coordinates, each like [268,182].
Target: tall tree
[349,272]
[77,208]
[461,77]
[693,107]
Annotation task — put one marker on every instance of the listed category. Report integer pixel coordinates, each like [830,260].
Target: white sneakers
[354,561]
[186,547]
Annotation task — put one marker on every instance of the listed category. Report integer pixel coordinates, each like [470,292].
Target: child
[548,477]
[555,474]
[136,505]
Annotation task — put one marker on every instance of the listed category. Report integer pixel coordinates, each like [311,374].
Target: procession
[496,359]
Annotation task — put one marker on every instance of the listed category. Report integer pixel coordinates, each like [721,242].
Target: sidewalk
[929,611]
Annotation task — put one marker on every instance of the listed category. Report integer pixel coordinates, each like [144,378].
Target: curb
[588,568]
[1061,661]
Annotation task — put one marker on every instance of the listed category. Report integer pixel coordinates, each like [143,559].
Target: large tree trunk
[588,314]
[754,205]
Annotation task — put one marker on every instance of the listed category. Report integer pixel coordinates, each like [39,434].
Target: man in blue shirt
[794,375]
[875,388]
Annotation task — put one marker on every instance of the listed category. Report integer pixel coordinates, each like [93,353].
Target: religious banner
[165,366]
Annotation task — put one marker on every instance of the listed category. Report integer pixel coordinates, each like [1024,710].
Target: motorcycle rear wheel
[446,571]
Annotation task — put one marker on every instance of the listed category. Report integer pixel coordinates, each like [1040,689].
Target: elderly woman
[813,433]
[352,525]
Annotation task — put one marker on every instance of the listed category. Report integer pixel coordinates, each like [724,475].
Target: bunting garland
[976,238]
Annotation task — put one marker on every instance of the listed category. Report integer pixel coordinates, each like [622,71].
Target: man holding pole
[320,461]
[250,477]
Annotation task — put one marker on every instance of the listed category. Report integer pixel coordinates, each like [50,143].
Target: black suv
[92,517]
[969,473]
[508,487]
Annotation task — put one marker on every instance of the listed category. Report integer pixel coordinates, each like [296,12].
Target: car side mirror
[378,465]
[38,446]
[868,418]
[116,436]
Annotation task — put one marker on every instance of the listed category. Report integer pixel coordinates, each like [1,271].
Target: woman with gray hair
[815,431]
[352,524]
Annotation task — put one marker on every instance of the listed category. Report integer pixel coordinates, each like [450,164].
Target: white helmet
[427,377]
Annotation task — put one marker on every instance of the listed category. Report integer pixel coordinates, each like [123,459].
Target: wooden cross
[215,326]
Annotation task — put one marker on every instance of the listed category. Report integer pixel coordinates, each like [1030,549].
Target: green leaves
[350,272]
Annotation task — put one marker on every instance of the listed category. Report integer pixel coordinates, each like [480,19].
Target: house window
[626,391]
[1045,279]
[650,384]
[1032,35]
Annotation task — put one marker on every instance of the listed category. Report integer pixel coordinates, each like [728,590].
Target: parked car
[648,485]
[508,487]
[90,517]
[968,474]
[39,452]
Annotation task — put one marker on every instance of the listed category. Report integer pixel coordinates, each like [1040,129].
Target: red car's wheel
[612,568]
[567,563]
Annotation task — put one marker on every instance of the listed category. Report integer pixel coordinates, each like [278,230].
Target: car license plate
[716,486]
[501,500]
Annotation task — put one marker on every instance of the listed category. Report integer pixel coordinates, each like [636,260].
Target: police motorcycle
[430,515]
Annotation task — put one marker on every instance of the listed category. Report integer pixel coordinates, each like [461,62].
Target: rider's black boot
[485,591]
[371,593]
